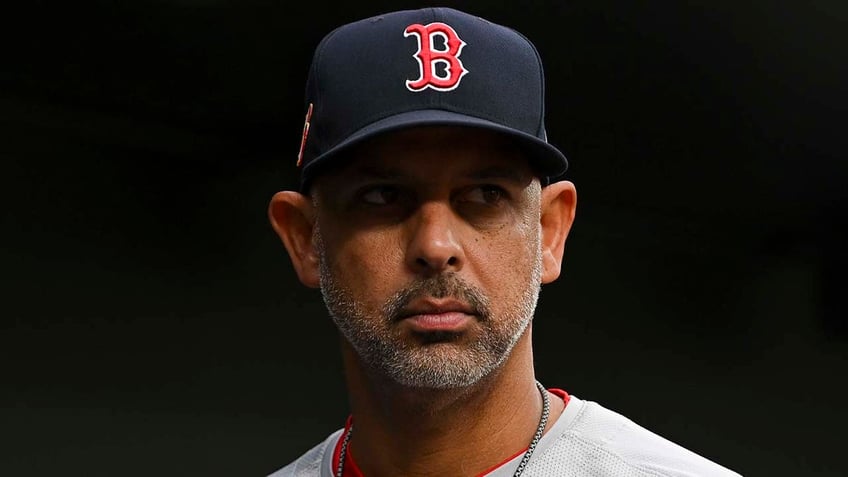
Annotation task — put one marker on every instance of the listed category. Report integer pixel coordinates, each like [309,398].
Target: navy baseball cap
[427,67]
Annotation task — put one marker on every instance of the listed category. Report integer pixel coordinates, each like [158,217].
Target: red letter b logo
[429,58]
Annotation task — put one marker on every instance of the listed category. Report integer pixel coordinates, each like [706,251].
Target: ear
[559,202]
[292,217]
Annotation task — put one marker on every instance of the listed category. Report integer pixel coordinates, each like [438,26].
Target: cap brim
[547,160]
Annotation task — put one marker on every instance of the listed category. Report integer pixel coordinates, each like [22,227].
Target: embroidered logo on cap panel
[429,58]
[305,134]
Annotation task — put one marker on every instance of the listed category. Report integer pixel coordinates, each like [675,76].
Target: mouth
[437,315]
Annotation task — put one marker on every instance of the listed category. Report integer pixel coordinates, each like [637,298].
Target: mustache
[438,286]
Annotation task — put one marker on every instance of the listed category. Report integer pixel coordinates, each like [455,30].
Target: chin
[440,367]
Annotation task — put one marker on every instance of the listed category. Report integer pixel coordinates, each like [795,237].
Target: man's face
[429,247]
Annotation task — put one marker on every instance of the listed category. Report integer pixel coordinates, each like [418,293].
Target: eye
[380,195]
[485,195]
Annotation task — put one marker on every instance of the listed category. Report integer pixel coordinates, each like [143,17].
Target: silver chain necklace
[543,422]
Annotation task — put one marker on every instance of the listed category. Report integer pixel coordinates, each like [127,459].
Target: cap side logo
[429,57]
[305,133]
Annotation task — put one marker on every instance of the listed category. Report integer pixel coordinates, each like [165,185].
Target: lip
[437,315]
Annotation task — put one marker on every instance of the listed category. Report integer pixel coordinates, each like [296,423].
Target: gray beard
[439,362]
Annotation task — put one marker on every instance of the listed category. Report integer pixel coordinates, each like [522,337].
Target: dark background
[151,324]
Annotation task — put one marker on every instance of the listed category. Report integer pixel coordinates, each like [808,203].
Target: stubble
[433,360]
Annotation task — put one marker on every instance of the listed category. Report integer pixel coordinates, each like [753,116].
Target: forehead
[435,152]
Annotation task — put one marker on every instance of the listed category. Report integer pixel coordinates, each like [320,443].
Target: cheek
[504,259]
[365,264]
[517,241]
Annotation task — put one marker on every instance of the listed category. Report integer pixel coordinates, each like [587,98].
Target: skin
[418,226]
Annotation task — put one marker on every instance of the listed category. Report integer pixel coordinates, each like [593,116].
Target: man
[431,210]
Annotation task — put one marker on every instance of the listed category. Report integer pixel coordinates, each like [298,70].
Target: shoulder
[312,461]
[598,441]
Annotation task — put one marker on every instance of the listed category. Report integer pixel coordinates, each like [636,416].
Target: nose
[433,244]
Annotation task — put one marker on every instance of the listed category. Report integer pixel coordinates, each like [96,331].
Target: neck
[403,431]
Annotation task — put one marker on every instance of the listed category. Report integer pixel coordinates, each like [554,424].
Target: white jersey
[587,440]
